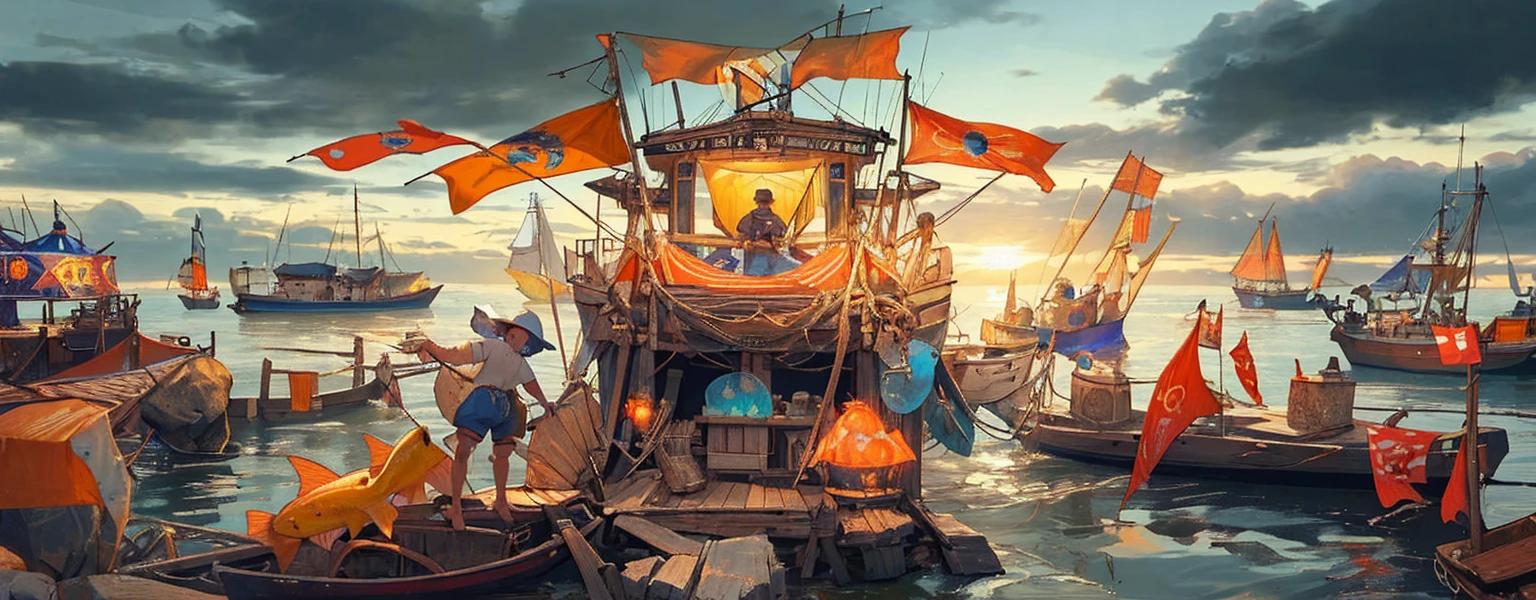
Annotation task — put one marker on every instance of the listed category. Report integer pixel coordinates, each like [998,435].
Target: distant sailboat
[535,263]
[193,275]
[1259,278]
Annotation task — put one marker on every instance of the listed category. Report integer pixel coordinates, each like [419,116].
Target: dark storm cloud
[55,97]
[1297,77]
[110,167]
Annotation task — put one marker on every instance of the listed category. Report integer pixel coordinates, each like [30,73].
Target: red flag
[1458,345]
[1210,328]
[937,137]
[359,150]
[1454,500]
[1141,224]
[1179,398]
[586,138]
[1135,177]
[1247,373]
[1397,461]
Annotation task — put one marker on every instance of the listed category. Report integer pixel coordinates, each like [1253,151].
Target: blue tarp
[361,276]
[58,241]
[1398,279]
[312,270]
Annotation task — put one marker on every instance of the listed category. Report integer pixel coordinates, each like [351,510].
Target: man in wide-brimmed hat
[493,406]
[761,229]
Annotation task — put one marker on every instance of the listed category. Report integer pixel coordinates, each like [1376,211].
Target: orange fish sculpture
[328,503]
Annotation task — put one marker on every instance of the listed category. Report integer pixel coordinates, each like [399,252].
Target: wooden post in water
[357,361]
[266,379]
[1469,451]
[135,360]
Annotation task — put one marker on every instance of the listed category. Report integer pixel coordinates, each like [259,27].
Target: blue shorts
[489,410]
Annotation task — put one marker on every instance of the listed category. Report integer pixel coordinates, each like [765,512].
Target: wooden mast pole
[357,227]
[1469,453]
[901,153]
[634,156]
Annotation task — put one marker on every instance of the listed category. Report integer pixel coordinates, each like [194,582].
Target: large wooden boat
[1259,278]
[324,287]
[1422,296]
[193,275]
[535,262]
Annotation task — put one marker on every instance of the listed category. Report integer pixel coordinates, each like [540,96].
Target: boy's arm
[532,386]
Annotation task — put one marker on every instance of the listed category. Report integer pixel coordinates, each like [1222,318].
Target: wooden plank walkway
[752,508]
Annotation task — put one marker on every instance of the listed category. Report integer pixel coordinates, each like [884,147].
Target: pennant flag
[1210,328]
[1458,345]
[1179,398]
[356,151]
[587,138]
[937,137]
[1454,501]
[868,56]
[1247,373]
[1140,181]
[1397,461]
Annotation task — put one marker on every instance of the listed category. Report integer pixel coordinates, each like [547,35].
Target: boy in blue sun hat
[493,407]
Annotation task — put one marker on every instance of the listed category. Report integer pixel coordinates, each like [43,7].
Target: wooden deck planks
[664,540]
[737,498]
[756,497]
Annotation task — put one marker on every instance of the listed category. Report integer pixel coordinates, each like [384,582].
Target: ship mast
[357,228]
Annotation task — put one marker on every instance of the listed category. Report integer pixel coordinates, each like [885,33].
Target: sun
[1002,258]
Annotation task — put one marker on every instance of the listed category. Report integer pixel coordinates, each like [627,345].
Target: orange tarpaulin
[795,184]
[301,390]
[827,271]
[937,137]
[588,138]
[1135,177]
[868,56]
[38,464]
[116,359]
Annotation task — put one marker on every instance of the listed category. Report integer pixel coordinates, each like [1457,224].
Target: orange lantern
[861,455]
[640,409]
[17,269]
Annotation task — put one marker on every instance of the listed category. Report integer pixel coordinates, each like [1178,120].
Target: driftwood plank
[637,576]
[735,569]
[587,561]
[670,582]
[664,540]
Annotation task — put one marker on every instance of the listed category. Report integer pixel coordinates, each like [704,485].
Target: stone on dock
[24,585]
[188,410]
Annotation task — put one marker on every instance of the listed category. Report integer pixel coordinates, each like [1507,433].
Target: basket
[674,456]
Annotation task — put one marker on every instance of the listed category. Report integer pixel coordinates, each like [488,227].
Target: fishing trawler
[535,262]
[1259,278]
[1425,295]
[193,275]
[1091,319]
[326,287]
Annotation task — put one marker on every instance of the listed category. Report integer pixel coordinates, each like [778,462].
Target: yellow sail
[537,287]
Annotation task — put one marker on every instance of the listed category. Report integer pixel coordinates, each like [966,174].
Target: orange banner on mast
[588,138]
[1135,177]
[1179,398]
[1247,372]
[867,56]
[359,150]
[937,137]
[666,59]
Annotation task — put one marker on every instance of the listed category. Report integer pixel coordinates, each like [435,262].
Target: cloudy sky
[134,114]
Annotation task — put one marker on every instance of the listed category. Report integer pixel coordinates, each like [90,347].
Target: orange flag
[667,59]
[1458,345]
[937,137]
[1397,462]
[588,138]
[1247,373]
[1179,398]
[868,56]
[1137,178]
[1454,500]
[356,151]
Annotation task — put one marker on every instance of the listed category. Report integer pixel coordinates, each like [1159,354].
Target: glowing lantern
[17,269]
[640,409]
[860,453]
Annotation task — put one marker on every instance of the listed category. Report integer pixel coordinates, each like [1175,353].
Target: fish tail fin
[327,539]
[440,477]
[384,515]
[258,525]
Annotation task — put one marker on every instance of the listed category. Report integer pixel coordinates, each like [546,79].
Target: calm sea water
[1050,519]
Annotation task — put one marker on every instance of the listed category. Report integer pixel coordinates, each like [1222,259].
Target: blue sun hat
[491,325]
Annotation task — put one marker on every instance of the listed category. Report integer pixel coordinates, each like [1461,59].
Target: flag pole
[1469,451]
[634,158]
[901,153]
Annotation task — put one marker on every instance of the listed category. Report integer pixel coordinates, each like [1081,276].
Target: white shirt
[504,368]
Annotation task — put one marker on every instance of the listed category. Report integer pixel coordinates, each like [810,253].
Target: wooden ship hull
[1275,300]
[456,565]
[1505,569]
[1419,354]
[199,301]
[1255,448]
[249,303]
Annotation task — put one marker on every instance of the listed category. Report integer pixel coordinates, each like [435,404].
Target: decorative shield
[738,395]
[905,389]
[948,422]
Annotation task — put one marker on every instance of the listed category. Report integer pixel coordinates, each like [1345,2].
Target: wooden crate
[737,447]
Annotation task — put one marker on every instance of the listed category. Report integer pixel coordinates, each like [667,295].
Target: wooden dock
[753,508]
